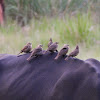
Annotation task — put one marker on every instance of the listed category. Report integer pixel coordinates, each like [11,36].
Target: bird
[63,51]
[27,48]
[50,42]
[36,52]
[53,47]
[73,53]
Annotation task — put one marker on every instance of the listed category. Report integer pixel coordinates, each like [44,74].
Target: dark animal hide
[44,78]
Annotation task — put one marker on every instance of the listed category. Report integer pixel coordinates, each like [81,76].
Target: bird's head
[50,39]
[29,43]
[40,45]
[57,42]
[77,47]
[66,46]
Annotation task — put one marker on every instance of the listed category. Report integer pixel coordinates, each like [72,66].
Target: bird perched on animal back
[37,51]
[53,47]
[73,53]
[27,48]
[50,42]
[63,51]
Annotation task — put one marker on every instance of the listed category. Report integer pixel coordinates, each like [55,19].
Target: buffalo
[43,78]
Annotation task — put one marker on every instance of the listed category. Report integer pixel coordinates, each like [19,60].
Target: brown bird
[50,42]
[63,51]
[73,53]
[53,47]
[27,48]
[36,52]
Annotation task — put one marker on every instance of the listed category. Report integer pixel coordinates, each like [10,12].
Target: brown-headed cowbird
[37,51]
[63,51]
[73,53]
[27,48]
[50,42]
[53,47]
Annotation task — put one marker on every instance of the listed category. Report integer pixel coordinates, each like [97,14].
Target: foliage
[66,21]
[74,30]
[24,10]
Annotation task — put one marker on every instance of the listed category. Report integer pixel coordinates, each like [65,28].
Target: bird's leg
[30,52]
[66,55]
[36,56]
[56,50]
[75,57]
[63,55]
[51,51]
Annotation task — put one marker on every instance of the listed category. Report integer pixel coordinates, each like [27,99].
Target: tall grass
[79,30]
[24,10]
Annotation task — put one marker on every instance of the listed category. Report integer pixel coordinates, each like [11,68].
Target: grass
[74,30]
[22,10]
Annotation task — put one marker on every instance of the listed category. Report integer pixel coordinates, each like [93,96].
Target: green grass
[74,30]
[24,10]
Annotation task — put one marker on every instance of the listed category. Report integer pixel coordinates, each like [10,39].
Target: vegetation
[23,10]
[66,21]
[75,30]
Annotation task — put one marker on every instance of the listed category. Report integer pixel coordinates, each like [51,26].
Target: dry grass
[80,30]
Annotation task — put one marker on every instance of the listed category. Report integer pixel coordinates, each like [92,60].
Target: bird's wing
[25,47]
[72,53]
[63,51]
[52,46]
[60,52]
[49,43]
[36,51]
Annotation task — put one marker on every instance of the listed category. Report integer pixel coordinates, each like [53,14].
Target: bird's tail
[67,58]
[45,51]
[28,59]
[56,57]
[19,53]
